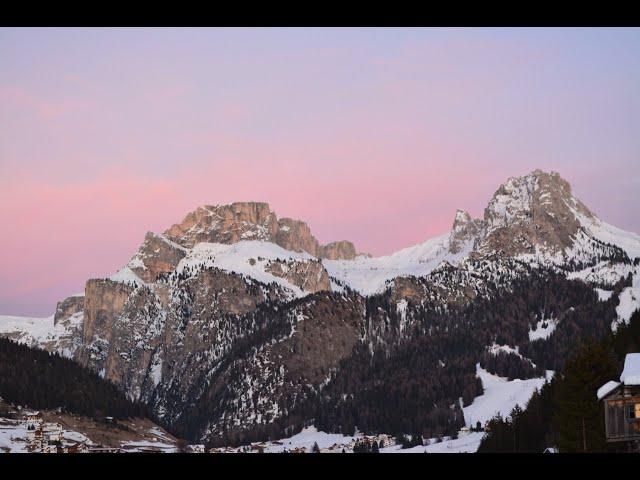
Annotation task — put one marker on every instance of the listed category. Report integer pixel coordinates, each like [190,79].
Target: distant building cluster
[48,437]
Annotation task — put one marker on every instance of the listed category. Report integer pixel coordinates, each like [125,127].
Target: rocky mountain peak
[534,210]
[253,221]
[225,224]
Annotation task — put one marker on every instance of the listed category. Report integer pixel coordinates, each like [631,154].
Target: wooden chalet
[622,404]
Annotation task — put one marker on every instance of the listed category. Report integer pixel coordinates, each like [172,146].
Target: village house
[622,404]
[33,420]
[52,432]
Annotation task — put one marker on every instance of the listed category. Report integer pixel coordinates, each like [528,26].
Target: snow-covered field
[500,396]
[336,442]
[13,437]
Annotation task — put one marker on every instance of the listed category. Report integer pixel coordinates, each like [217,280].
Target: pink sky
[371,135]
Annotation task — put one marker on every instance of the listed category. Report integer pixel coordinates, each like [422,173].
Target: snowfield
[500,396]
[249,258]
[629,303]
[368,275]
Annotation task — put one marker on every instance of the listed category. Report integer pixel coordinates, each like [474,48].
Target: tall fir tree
[579,416]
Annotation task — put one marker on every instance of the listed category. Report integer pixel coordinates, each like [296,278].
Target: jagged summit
[534,215]
[253,221]
[533,211]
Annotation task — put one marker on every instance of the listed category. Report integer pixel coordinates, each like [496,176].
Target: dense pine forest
[43,380]
[566,413]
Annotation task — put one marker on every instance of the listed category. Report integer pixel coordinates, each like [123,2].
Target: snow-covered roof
[607,388]
[631,372]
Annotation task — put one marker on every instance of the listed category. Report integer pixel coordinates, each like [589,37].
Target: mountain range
[235,325]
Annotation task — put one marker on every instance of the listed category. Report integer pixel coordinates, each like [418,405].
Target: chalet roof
[631,372]
[607,388]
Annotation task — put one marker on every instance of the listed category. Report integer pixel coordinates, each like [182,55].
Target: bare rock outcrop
[308,275]
[466,232]
[341,250]
[252,221]
[68,307]
[296,235]
[104,301]
[226,224]
[157,255]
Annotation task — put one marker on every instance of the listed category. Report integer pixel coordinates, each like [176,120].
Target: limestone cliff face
[161,341]
[225,224]
[104,301]
[136,339]
[296,235]
[252,221]
[144,328]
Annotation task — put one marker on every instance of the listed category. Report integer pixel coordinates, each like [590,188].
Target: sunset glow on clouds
[371,135]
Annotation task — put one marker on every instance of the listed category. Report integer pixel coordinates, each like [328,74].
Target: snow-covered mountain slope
[369,275]
[254,259]
[534,219]
[627,241]
[42,332]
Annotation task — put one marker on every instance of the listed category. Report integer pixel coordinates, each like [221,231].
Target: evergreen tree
[579,415]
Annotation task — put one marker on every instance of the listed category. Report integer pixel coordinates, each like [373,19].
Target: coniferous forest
[376,389]
[43,380]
